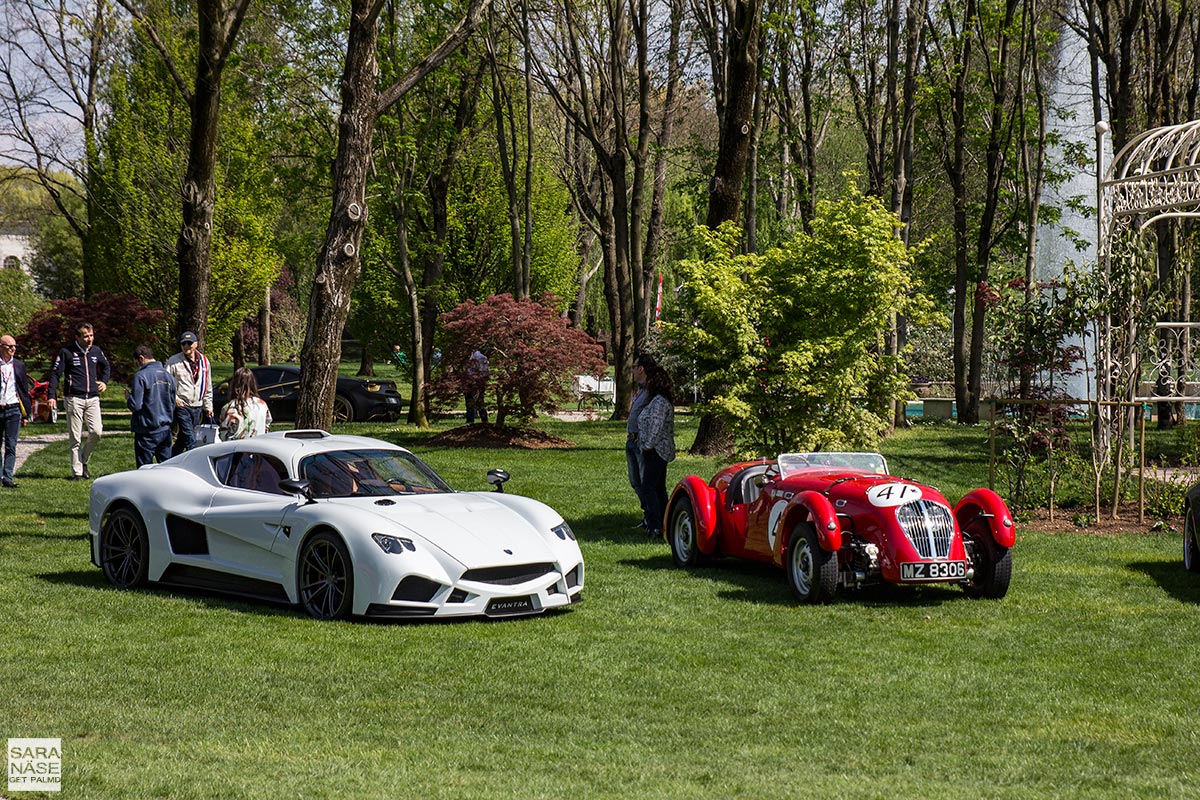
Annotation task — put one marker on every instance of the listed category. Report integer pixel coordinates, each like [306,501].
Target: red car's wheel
[991,562]
[683,533]
[1191,553]
[812,572]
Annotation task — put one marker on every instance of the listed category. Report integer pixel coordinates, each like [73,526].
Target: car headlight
[563,532]
[393,544]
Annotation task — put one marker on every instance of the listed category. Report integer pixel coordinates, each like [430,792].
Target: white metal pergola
[1154,177]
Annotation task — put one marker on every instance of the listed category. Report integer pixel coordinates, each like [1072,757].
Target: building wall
[14,246]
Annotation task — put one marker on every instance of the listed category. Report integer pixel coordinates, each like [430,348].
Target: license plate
[933,570]
[504,606]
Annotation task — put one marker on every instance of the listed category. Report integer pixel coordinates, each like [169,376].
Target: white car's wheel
[683,532]
[811,571]
[1191,553]
[124,549]
[326,577]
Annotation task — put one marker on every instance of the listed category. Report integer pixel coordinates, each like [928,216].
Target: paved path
[28,444]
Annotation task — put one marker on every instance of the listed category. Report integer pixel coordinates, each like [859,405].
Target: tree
[21,302]
[338,261]
[597,63]
[53,56]
[532,351]
[788,342]
[122,322]
[217,31]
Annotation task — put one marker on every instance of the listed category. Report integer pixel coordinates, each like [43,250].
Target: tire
[124,549]
[1191,553]
[325,577]
[992,565]
[684,532]
[812,572]
[343,409]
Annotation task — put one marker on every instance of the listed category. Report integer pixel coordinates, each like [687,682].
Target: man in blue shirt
[151,398]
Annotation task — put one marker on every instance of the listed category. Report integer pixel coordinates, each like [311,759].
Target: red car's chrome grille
[929,526]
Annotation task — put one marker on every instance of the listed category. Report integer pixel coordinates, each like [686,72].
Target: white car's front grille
[929,526]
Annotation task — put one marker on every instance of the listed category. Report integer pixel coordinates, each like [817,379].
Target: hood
[473,529]
[879,492]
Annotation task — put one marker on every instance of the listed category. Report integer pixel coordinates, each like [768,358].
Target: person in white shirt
[246,414]
[15,405]
[193,391]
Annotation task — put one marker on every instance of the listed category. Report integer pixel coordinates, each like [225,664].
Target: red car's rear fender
[815,508]
[703,499]
[986,504]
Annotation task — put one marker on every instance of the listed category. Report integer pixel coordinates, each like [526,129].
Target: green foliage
[57,259]
[20,301]
[140,169]
[788,343]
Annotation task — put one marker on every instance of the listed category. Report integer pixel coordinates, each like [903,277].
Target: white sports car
[341,525]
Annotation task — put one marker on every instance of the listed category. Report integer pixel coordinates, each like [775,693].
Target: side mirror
[299,487]
[497,477]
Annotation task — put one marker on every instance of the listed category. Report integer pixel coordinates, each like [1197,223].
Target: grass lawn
[663,683]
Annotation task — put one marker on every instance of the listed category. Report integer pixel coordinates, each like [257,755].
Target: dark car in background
[357,399]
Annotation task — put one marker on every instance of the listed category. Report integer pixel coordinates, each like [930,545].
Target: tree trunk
[194,245]
[741,67]
[238,345]
[264,329]
[733,149]
[337,265]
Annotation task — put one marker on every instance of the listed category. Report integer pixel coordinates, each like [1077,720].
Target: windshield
[369,473]
[871,462]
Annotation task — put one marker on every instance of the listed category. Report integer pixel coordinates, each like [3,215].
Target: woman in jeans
[656,438]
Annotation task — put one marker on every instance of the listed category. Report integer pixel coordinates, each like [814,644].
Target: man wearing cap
[193,390]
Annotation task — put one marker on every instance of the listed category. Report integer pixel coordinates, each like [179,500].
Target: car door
[279,387]
[246,514]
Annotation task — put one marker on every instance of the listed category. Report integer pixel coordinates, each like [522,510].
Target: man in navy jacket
[84,371]
[151,398]
[15,406]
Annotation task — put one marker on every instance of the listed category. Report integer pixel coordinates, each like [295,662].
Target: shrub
[122,322]
[533,354]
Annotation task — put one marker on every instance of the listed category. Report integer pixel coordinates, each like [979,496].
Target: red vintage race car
[840,521]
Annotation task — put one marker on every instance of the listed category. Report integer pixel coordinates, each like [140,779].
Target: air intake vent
[416,589]
[508,576]
[929,526]
[306,434]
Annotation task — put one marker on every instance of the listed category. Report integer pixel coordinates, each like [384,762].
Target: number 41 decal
[886,495]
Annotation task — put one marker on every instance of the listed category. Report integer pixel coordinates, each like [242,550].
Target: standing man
[634,458]
[151,398]
[85,370]
[478,369]
[15,406]
[193,390]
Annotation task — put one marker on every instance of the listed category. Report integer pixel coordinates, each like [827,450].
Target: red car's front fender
[816,508]
[987,504]
[703,499]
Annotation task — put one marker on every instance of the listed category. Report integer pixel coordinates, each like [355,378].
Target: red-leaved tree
[121,322]
[532,353]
